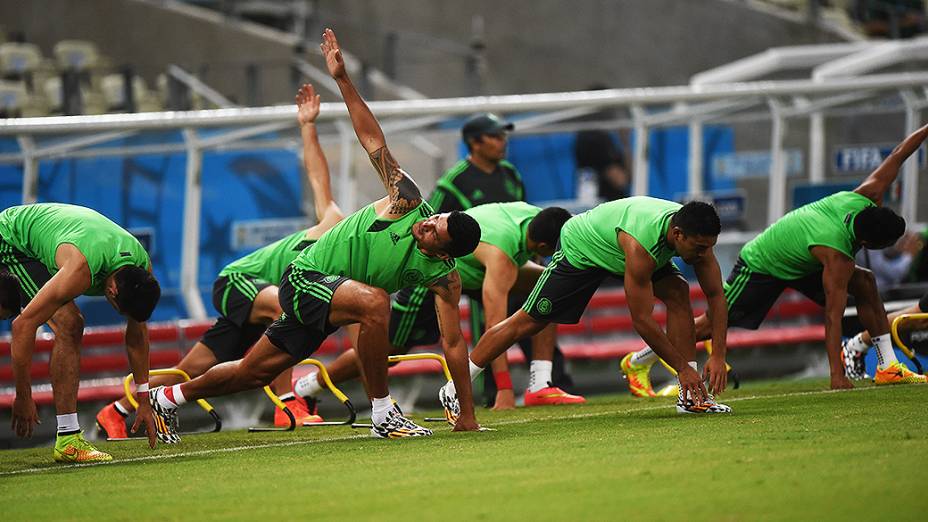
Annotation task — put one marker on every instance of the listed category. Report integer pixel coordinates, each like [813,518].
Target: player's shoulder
[507,165]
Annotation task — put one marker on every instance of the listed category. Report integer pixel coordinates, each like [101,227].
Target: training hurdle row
[352,413]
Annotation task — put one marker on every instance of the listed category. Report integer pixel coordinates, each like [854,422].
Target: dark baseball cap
[486,123]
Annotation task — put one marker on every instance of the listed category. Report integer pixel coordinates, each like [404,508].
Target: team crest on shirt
[477,194]
[394,237]
[544,306]
[329,279]
[412,277]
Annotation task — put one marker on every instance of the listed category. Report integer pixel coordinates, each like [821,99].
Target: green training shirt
[37,230]
[503,225]
[379,252]
[269,263]
[590,240]
[783,249]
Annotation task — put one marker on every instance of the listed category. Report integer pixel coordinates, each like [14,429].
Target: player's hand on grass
[465,424]
[144,415]
[505,400]
[307,105]
[716,374]
[333,56]
[841,382]
[691,385]
[24,416]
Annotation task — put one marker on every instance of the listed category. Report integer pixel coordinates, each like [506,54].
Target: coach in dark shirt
[484,176]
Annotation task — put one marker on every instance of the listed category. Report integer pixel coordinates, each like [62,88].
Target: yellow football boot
[638,377]
[75,448]
[897,373]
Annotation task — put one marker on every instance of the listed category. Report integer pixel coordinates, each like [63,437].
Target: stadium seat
[79,55]
[113,87]
[18,60]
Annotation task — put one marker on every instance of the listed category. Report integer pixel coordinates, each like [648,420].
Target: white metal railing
[782,99]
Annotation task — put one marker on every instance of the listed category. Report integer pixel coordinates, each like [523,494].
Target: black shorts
[563,290]
[413,320]
[923,304]
[32,274]
[750,295]
[305,298]
[232,335]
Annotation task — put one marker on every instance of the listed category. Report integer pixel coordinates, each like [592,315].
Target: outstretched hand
[333,56]
[307,104]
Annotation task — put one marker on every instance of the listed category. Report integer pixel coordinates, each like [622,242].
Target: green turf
[789,452]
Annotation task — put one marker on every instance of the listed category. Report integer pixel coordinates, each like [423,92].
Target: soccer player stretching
[57,252]
[346,278]
[245,293]
[633,238]
[811,249]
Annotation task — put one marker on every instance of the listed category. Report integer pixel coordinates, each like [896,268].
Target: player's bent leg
[64,363]
[355,302]
[64,369]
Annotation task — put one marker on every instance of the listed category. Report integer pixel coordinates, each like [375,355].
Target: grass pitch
[790,451]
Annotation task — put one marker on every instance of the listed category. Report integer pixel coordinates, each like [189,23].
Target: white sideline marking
[663,406]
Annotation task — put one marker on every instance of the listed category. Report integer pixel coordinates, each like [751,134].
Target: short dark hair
[697,218]
[465,234]
[10,296]
[546,226]
[878,226]
[137,292]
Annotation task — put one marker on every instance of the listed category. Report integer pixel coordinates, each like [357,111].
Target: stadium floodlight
[909,352]
[352,413]
[207,407]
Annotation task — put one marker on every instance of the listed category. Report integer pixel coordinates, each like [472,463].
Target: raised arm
[402,191]
[880,179]
[639,266]
[709,276]
[447,292]
[835,278]
[314,162]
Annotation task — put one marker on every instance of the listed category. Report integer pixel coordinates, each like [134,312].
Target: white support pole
[817,147]
[30,169]
[640,171]
[695,160]
[910,167]
[347,185]
[190,251]
[777,185]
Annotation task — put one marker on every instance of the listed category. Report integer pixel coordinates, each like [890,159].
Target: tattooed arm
[402,191]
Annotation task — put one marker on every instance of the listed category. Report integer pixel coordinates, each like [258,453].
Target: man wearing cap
[484,176]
